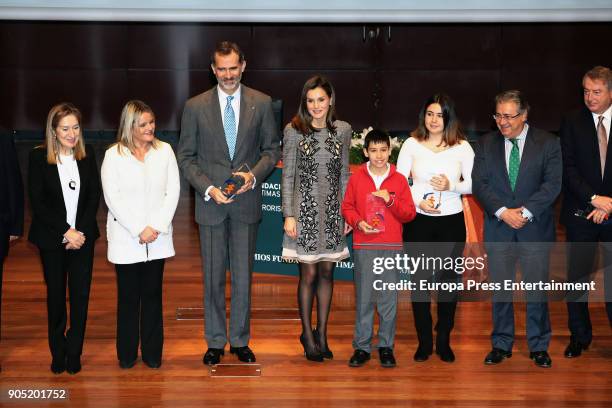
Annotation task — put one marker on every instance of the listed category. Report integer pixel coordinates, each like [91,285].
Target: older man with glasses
[517,177]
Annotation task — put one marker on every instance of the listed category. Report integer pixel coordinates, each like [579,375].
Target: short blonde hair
[131,113]
[56,114]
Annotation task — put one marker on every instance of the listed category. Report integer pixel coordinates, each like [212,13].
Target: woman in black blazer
[64,188]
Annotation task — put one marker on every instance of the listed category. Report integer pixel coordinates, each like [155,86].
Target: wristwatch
[593,197]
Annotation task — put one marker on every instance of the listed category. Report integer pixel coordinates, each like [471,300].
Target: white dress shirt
[607,121]
[521,145]
[235,104]
[140,194]
[236,107]
[507,151]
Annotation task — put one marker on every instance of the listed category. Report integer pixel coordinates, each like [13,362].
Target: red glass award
[375,212]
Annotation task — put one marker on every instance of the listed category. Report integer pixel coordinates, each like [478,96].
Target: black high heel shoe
[311,355]
[325,351]
[58,365]
[73,364]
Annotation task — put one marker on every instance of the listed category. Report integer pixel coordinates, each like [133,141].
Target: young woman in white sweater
[439,160]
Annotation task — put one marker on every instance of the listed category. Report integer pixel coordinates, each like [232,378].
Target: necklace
[70,166]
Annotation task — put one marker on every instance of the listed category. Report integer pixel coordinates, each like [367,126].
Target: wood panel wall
[380,81]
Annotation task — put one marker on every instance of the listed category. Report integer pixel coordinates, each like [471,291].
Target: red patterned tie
[603,143]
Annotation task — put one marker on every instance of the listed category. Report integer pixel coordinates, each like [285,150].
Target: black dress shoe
[245,354]
[73,364]
[446,354]
[421,354]
[387,359]
[213,356]
[325,351]
[541,359]
[126,364]
[155,364]
[496,356]
[58,365]
[359,358]
[574,349]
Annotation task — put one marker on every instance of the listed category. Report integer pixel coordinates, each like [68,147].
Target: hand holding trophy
[236,184]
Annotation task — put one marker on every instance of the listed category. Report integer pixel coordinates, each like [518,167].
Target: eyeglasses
[499,117]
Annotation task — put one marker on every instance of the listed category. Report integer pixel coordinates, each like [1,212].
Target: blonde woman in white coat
[140,179]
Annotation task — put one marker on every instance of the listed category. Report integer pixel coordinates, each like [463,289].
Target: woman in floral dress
[315,175]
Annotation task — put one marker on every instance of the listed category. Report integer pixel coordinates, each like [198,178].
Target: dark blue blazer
[581,166]
[537,186]
[11,194]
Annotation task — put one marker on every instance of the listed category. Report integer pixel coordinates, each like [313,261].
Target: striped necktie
[229,126]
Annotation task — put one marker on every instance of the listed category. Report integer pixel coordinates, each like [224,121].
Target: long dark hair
[452,133]
[302,121]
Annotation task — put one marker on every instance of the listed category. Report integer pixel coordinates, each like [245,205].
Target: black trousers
[139,310]
[438,237]
[583,241]
[75,268]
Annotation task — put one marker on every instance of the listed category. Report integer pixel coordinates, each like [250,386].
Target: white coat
[140,194]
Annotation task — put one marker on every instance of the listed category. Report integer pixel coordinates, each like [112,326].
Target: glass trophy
[434,198]
[231,186]
[375,213]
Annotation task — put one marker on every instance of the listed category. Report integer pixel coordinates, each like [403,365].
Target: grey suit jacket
[537,186]
[203,155]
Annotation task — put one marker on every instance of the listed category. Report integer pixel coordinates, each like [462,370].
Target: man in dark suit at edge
[587,199]
[223,128]
[11,200]
[517,177]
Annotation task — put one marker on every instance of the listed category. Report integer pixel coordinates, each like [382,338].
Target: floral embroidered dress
[315,176]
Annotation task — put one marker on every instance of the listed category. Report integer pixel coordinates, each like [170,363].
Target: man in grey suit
[517,177]
[222,129]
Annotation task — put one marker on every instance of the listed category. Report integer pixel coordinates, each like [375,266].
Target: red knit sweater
[400,211]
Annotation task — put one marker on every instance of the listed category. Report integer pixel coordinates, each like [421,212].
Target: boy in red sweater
[376,204]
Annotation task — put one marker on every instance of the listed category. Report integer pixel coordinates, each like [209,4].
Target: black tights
[315,279]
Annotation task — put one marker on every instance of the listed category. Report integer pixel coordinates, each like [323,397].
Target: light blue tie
[229,126]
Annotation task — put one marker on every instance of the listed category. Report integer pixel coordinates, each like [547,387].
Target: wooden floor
[287,378]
